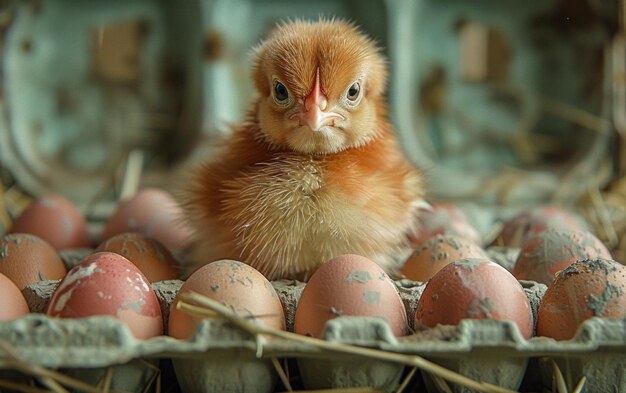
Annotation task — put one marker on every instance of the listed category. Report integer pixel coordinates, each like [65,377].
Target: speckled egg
[154,213]
[349,285]
[518,229]
[27,259]
[106,283]
[443,218]
[473,289]
[434,254]
[12,302]
[587,288]
[154,260]
[544,254]
[234,284]
[56,220]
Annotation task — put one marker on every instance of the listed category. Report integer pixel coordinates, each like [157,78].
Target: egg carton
[221,357]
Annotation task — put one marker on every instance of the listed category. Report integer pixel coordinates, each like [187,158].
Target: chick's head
[321,86]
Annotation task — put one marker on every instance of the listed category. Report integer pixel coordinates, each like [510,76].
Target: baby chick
[315,170]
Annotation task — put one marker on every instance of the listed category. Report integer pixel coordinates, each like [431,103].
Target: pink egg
[153,213]
[444,218]
[55,220]
[106,283]
[587,288]
[349,285]
[473,288]
[545,254]
[516,231]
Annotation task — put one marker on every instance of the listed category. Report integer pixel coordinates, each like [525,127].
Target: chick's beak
[314,113]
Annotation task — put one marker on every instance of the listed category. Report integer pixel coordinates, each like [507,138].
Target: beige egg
[349,285]
[154,260]
[434,254]
[234,284]
[27,259]
[12,302]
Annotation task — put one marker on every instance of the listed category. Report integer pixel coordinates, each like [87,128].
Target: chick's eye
[354,91]
[281,95]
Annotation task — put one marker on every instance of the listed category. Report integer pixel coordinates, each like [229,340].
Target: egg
[154,260]
[587,288]
[54,219]
[516,230]
[443,218]
[154,213]
[473,289]
[544,254]
[234,284]
[106,283]
[349,285]
[434,254]
[12,303]
[27,259]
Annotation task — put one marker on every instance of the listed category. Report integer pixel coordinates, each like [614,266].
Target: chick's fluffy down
[284,195]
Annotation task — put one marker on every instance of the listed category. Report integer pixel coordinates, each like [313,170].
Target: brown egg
[552,250]
[106,283]
[434,254]
[444,218]
[234,284]
[349,285]
[154,213]
[473,289]
[518,229]
[12,302]
[154,260]
[587,288]
[27,259]
[56,220]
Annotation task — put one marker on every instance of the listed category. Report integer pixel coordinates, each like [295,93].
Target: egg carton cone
[344,371]
[221,357]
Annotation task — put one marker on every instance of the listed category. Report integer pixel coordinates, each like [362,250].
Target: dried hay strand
[558,381]
[57,382]
[605,211]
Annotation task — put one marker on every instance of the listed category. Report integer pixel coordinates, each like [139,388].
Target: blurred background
[503,104]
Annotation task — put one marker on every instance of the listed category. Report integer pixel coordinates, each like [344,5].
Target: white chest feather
[284,214]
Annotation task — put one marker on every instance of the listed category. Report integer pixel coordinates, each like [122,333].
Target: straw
[52,379]
[581,384]
[282,375]
[406,380]
[132,174]
[20,387]
[440,384]
[558,378]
